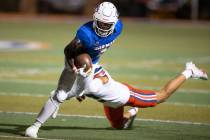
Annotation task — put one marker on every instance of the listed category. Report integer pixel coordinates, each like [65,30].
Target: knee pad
[60,96]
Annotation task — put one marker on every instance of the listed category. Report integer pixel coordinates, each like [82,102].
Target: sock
[38,124]
[48,109]
[187,73]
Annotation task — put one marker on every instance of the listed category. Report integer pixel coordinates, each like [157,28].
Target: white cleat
[128,124]
[196,72]
[32,131]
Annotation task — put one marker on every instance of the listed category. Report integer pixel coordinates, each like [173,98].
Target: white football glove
[81,71]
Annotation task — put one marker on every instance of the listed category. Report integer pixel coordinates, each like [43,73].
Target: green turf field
[146,56]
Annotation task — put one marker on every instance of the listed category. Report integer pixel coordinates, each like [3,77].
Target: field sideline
[147,55]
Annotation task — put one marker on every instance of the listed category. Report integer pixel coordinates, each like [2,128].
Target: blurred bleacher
[167,9]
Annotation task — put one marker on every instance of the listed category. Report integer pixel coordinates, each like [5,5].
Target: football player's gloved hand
[81,71]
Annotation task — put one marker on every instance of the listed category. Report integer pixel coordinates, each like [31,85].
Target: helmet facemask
[103,29]
[105,18]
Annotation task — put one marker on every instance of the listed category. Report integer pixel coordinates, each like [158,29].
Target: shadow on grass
[18,129]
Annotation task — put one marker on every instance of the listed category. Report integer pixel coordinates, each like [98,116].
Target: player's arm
[73,49]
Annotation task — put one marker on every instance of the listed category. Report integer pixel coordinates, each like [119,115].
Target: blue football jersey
[95,44]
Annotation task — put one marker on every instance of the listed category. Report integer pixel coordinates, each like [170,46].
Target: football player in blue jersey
[94,38]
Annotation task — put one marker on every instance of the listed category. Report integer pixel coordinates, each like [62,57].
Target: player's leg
[118,119]
[170,88]
[145,98]
[148,98]
[115,116]
[191,71]
[130,116]
[47,110]
[52,105]
[138,99]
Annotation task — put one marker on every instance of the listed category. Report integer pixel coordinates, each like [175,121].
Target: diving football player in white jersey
[115,95]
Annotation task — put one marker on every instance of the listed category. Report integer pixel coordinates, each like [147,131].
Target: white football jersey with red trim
[112,94]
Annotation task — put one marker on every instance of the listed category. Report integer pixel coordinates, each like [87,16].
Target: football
[83,59]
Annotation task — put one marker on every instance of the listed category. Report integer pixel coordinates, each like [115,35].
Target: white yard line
[183,90]
[187,104]
[102,117]
[23,94]
[194,91]
[16,137]
[42,95]
[22,81]
[174,122]
[47,82]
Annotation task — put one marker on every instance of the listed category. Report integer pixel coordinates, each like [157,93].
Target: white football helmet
[105,18]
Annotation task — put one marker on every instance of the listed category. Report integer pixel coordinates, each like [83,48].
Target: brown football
[83,59]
